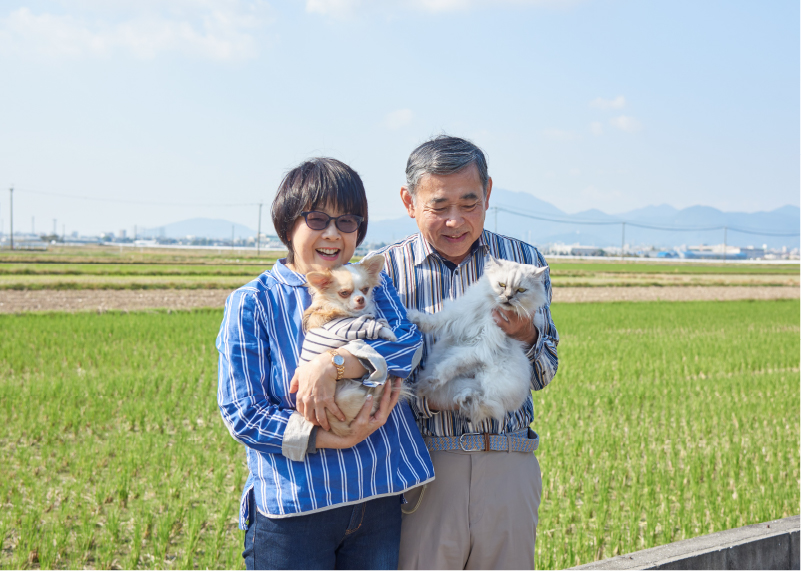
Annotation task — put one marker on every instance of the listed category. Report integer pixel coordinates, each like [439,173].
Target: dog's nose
[359,300]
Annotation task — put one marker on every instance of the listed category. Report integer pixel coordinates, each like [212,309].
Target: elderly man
[481,511]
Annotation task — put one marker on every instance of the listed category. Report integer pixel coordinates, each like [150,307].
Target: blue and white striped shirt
[424,281]
[259,343]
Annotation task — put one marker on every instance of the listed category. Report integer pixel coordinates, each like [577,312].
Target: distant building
[716,252]
[586,251]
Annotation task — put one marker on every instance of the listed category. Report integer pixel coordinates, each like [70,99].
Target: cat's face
[518,287]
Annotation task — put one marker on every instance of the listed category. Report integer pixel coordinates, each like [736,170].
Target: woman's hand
[364,424]
[316,382]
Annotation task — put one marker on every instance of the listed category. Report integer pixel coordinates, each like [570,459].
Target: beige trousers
[479,513]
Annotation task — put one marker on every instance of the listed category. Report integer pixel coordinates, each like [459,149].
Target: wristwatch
[339,362]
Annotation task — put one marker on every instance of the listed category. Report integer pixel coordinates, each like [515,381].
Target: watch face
[339,360]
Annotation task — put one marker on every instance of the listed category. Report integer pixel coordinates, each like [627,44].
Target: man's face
[449,211]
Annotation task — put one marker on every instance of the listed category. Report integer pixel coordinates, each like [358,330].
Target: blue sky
[612,105]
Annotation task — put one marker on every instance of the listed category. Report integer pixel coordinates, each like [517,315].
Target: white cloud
[398,118]
[332,7]
[625,123]
[213,29]
[339,8]
[618,102]
[561,135]
[596,128]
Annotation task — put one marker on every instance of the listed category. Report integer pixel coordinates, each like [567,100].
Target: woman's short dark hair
[313,184]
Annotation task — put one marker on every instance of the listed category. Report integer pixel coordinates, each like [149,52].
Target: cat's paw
[466,400]
[419,318]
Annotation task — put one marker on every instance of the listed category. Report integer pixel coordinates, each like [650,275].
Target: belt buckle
[461,442]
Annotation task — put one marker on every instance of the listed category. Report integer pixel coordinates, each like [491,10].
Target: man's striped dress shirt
[259,344]
[424,281]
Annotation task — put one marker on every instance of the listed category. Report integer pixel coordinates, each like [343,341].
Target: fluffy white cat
[473,363]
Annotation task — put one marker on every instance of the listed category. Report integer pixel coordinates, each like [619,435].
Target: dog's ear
[373,265]
[320,280]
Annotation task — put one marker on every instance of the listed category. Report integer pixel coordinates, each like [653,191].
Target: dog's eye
[344,293]
[365,290]
[502,285]
[521,289]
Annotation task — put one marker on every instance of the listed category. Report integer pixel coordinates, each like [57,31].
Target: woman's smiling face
[321,249]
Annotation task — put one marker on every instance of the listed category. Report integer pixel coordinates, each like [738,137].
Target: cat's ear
[320,280]
[373,265]
[538,272]
[490,262]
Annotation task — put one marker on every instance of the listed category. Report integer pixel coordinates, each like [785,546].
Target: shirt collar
[421,249]
[284,275]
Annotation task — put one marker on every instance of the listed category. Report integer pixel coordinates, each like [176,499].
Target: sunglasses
[346,223]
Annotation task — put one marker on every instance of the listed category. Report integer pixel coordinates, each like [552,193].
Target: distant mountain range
[590,227]
[596,228]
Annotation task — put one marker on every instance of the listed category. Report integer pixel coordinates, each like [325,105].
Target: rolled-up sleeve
[403,354]
[244,366]
[542,355]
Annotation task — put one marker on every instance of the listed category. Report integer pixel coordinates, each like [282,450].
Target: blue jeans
[359,536]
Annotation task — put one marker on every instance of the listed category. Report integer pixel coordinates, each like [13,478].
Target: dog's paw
[385,333]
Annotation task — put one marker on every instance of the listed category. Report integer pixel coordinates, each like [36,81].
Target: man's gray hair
[444,155]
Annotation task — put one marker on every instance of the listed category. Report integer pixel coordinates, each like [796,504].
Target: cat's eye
[521,289]
[365,290]
[344,293]
[502,285]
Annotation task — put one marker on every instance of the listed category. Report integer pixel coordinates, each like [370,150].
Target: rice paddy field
[134,268]
[665,421]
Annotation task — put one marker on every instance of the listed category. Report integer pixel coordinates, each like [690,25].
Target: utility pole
[258,233]
[622,239]
[54,227]
[725,229]
[11,214]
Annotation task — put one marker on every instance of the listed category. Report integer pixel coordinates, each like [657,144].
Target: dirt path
[12,301]
[674,293]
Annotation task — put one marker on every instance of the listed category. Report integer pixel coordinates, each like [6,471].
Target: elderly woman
[314,500]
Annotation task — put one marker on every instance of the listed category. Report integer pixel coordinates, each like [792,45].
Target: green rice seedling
[677,396]
[132,560]
[665,421]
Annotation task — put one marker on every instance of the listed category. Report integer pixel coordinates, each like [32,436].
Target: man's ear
[489,191]
[408,201]
[320,280]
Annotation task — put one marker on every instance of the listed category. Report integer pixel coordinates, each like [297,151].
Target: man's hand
[316,382]
[516,326]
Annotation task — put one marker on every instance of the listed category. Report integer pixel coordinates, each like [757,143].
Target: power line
[756,232]
[142,202]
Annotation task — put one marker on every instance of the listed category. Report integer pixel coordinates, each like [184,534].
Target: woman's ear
[320,280]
